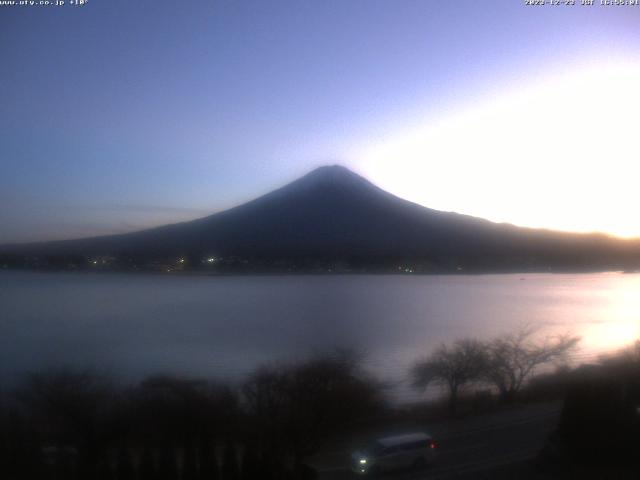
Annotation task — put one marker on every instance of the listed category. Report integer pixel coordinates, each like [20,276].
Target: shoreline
[443,273]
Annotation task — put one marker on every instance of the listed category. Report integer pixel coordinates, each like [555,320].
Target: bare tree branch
[453,367]
[514,358]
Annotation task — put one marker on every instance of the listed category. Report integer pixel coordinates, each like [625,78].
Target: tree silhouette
[512,359]
[453,367]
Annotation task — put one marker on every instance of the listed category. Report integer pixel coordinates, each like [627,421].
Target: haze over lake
[222,327]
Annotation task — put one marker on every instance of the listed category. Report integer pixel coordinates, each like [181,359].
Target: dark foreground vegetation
[598,431]
[504,364]
[600,422]
[82,425]
[70,425]
[599,426]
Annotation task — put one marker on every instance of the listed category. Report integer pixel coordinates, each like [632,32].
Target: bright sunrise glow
[558,153]
[612,336]
[622,314]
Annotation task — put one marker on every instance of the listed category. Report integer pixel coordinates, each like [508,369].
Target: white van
[413,450]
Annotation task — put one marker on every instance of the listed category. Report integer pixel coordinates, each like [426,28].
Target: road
[470,446]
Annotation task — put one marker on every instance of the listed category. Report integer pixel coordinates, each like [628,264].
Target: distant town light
[211,259]
[181,260]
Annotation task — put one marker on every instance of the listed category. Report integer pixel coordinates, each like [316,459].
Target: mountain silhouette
[334,215]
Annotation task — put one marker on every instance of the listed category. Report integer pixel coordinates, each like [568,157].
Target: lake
[221,327]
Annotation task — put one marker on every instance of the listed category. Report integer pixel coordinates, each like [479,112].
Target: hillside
[334,217]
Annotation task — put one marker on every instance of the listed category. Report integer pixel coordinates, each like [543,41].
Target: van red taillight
[433,444]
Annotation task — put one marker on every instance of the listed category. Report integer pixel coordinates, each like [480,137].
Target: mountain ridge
[333,215]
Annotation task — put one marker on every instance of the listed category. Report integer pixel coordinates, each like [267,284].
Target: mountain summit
[332,173]
[333,216]
[334,176]
[327,179]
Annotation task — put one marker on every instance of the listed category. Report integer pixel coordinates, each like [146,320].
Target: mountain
[333,216]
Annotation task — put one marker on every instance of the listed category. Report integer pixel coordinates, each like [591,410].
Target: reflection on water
[621,312]
[223,326]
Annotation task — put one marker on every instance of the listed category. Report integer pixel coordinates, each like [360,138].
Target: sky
[120,115]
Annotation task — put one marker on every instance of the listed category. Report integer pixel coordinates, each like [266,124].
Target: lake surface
[222,327]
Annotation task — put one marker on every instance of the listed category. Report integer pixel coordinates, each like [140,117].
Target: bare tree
[512,359]
[295,407]
[452,366]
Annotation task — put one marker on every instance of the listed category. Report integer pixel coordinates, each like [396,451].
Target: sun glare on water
[620,313]
[559,153]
